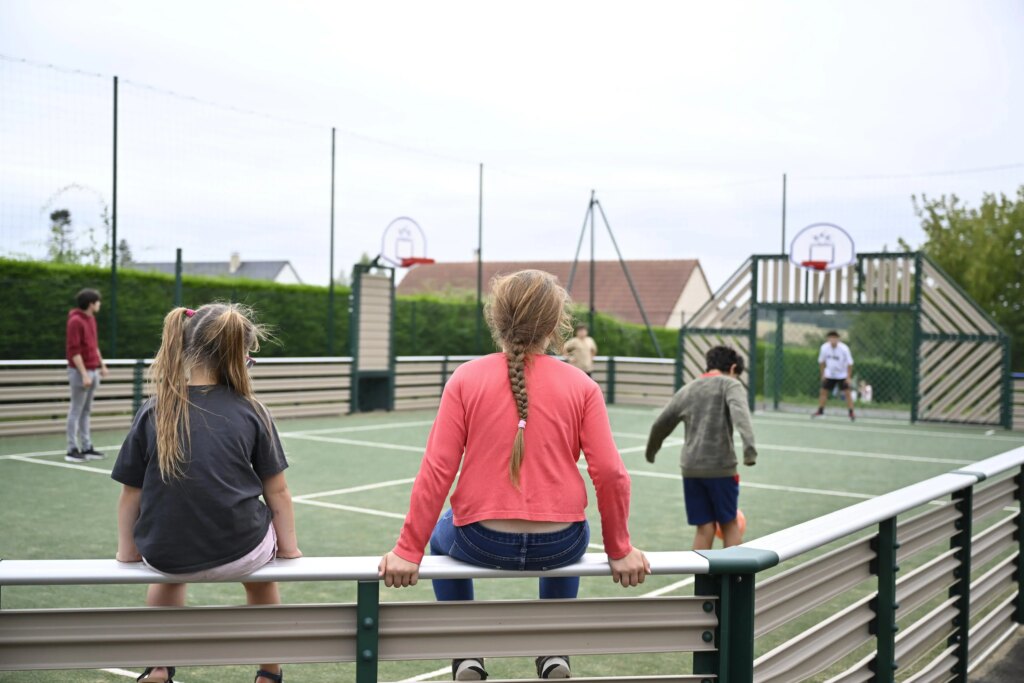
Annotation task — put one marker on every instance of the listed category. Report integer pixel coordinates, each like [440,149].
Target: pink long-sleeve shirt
[476,425]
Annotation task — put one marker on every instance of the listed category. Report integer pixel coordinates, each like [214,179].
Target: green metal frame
[367,631]
[961,590]
[884,605]
[1018,613]
[752,339]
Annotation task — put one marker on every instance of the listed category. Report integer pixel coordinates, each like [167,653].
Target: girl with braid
[199,455]
[515,422]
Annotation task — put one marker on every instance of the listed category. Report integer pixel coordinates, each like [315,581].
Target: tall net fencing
[882,346]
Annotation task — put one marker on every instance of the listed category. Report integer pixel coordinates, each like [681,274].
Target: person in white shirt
[836,365]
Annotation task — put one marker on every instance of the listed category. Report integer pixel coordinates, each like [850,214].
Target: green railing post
[780,321]
[752,368]
[1006,414]
[1018,614]
[138,377]
[884,624]
[961,542]
[610,396]
[707,663]
[918,307]
[733,661]
[367,631]
[679,360]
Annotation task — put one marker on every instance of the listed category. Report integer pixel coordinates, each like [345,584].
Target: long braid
[516,356]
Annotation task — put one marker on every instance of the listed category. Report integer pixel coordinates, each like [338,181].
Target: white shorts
[235,570]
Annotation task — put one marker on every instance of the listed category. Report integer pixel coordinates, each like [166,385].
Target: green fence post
[884,605]
[780,321]
[1007,393]
[915,382]
[610,397]
[138,376]
[736,646]
[367,631]
[752,368]
[679,360]
[961,542]
[1018,614]
[707,663]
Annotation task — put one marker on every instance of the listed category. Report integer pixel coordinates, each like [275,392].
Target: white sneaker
[468,670]
[555,666]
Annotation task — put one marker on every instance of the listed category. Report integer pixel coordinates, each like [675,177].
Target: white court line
[365,428]
[818,424]
[353,442]
[350,508]
[70,466]
[828,451]
[769,487]
[354,489]
[37,454]
[131,674]
[427,676]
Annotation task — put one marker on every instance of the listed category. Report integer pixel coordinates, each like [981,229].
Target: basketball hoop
[410,261]
[822,247]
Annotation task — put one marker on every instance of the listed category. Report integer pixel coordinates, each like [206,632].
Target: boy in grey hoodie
[710,407]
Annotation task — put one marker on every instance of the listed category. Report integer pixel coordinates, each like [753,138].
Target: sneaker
[555,666]
[820,412]
[91,453]
[468,670]
[852,418]
[74,455]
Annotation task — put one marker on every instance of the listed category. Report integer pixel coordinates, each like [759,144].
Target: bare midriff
[524,526]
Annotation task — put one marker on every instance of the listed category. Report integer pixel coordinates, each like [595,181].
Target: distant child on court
[835,364]
[515,423]
[85,368]
[199,455]
[581,350]
[710,407]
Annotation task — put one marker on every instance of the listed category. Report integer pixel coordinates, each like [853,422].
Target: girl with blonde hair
[515,422]
[199,455]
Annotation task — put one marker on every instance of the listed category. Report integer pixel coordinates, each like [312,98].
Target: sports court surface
[351,478]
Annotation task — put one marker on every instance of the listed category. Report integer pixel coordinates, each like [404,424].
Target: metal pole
[480,265]
[330,280]
[783,214]
[629,280]
[579,246]
[177,278]
[113,241]
[592,274]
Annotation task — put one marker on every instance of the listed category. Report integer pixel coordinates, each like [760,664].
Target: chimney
[236,263]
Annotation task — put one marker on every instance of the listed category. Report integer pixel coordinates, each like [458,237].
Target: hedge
[39,295]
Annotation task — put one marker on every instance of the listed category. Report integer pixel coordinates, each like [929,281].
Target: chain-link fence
[881,343]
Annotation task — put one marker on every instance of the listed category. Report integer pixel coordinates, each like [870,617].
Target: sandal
[146,677]
[276,678]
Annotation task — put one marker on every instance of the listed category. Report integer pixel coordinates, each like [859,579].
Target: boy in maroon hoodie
[85,367]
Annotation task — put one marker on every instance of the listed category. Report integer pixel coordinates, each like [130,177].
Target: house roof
[252,270]
[659,283]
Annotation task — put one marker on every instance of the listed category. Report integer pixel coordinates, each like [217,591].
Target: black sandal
[277,678]
[144,677]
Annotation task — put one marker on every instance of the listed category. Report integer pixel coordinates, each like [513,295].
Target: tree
[61,246]
[983,250]
[124,254]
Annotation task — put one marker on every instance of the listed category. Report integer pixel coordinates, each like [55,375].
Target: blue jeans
[483,547]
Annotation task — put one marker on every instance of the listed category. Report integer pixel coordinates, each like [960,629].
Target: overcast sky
[682,115]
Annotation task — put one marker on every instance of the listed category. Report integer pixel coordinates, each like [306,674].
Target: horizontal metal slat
[993,506]
[858,673]
[817,648]
[924,530]
[939,670]
[804,587]
[997,539]
[925,582]
[986,634]
[925,633]
[528,628]
[992,585]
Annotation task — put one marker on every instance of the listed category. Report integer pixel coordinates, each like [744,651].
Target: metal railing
[936,567]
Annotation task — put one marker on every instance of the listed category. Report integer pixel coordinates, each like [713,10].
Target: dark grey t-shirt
[213,514]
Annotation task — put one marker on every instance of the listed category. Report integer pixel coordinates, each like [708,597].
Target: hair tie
[522,424]
[189,313]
